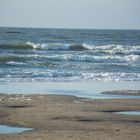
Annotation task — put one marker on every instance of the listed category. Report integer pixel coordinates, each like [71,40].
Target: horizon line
[75,28]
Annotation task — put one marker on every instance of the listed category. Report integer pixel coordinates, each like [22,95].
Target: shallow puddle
[129,112]
[4,129]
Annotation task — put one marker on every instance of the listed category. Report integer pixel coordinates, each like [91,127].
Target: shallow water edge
[87,89]
[5,129]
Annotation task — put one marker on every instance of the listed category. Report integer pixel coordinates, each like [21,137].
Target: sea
[69,55]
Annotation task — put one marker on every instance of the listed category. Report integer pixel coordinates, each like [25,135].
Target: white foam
[110,48]
[35,46]
[89,47]
[132,57]
[48,46]
[14,63]
[117,49]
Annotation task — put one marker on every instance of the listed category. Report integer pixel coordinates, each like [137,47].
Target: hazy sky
[117,14]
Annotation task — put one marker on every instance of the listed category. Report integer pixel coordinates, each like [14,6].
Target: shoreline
[65,117]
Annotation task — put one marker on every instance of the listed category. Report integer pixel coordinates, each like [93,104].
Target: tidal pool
[129,112]
[4,129]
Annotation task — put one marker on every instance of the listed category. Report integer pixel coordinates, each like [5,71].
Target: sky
[93,14]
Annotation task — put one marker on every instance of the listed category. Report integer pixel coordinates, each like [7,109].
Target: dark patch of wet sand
[123,92]
[58,117]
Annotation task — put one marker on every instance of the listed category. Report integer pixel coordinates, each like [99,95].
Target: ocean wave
[63,75]
[14,32]
[11,58]
[31,45]
[111,49]
[15,63]
[59,46]
[87,58]
[83,58]
[16,46]
[104,49]
[48,46]
[114,49]
[132,57]
[80,47]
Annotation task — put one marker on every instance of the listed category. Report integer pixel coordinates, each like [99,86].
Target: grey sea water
[31,54]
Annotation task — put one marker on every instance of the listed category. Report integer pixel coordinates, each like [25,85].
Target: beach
[64,117]
[69,70]
[69,84]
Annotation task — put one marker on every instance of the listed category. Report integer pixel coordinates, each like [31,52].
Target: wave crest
[111,49]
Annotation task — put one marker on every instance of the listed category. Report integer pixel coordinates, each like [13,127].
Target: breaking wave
[132,57]
[102,49]
[59,46]
[68,55]
[56,75]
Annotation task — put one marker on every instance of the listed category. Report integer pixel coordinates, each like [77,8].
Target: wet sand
[123,92]
[59,117]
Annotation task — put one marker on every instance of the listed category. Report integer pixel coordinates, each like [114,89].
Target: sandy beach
[69,70]
[59,117]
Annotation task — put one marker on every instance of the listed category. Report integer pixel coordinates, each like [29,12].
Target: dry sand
[58,117]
